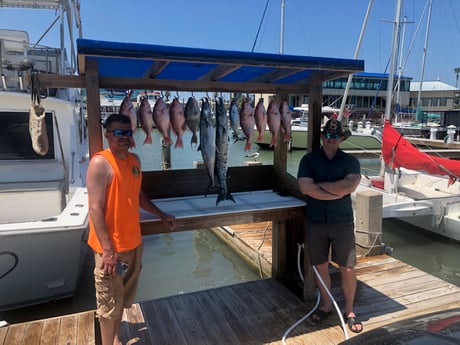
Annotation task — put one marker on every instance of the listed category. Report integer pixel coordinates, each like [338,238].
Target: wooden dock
[257,312]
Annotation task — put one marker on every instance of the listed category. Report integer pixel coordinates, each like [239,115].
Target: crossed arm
[329,190]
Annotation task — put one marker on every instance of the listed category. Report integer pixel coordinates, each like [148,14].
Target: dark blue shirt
[318,167]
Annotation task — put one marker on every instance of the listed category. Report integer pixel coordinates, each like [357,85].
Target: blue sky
[327,28]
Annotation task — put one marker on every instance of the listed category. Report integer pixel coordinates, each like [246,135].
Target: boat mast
[394,49]
[282,28]
[425,47]
[358,47]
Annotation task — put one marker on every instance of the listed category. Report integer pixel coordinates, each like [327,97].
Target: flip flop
[353,321]
[319,316]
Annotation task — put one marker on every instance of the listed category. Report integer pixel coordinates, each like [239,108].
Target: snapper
[177,118]
[161,119]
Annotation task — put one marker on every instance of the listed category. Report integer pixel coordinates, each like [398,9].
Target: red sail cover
[398,152]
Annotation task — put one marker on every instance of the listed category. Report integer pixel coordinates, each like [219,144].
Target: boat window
[15,142]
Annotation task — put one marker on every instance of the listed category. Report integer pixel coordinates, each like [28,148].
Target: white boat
[363,138]
[416,187]
[43,199]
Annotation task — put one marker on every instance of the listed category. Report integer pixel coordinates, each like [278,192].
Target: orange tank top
[122,212]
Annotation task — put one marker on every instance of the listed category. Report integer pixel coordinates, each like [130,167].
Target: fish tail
[194,139]
[179,143]
[248,145]
[168,140]
[148,140]
[260,138]
[224,195]
[274,141]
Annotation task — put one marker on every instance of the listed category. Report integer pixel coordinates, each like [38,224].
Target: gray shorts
[339,239]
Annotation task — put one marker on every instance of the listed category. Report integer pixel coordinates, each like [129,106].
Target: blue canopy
[131,65]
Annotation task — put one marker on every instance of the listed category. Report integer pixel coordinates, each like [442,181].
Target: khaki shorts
[115,292]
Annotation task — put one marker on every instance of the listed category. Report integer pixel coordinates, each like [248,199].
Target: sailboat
[416,187]
[43,159]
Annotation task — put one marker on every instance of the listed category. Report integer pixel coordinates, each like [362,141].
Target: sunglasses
[122,133]
[330,135]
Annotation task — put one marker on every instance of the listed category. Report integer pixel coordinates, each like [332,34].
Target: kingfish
[286,117]
[127,108]
[161,119]
[177,118]
[208,139]
[234,118]
[221,152]
[146,120]
[192,118]
[247,122]
[260,115]
[274,121]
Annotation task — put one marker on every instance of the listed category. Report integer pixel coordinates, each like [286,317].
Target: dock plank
[32,333]
[68,330]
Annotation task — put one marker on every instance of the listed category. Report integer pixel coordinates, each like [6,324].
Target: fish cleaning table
[198,212]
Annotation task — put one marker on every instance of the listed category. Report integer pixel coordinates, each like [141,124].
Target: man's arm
[98,178]
[342,187]
[145,203]
[309,187]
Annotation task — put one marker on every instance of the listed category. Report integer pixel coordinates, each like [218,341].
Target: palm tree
[457,71]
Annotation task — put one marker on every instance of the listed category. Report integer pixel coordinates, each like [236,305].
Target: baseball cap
[335,127]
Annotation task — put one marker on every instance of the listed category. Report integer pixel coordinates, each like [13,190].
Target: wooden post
[93,107]
[368,215]
[278,248]
[315,100]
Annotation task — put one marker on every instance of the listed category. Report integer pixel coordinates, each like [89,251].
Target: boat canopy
[189,69]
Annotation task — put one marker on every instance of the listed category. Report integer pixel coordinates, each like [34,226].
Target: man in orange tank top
[115,197]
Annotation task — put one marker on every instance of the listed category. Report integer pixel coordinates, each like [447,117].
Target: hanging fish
[192,118]
[37,129]
[247,122]
[146,120]
[234,118]
[127,108]
[221,152]
[208,140]
[260,115]
[177,118]
[286,118]
[161,119]
[273,121]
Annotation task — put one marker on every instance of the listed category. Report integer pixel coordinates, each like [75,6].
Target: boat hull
[422,200]
[299,140]
[41,261]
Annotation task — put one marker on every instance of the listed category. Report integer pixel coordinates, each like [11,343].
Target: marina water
[187,261]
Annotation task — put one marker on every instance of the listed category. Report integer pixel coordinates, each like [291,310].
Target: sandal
[352,322]
[319,316]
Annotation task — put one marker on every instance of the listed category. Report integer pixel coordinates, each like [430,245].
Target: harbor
[254,312]
[254,209]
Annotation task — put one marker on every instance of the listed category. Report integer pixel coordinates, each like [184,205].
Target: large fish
[192,118]
[161,119]
[127,108]
[274,121]
[286,118]
[234,118]
[221,152]
[247,122]
[146,120]
[208,139]
[260,115]
[177,118]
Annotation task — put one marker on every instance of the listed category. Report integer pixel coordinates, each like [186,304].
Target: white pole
[358,47]
[394,49]
[282,28]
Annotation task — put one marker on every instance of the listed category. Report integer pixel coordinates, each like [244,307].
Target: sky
[326,28]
